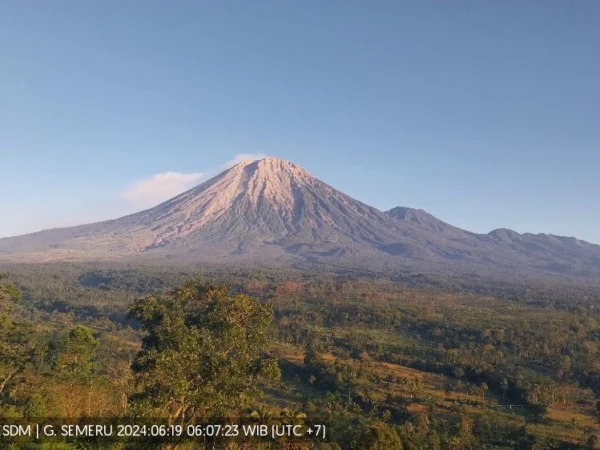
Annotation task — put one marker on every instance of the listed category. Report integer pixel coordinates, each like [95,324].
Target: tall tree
[203,353]
[13,346]
[74,366]
[8,292]
[75,360]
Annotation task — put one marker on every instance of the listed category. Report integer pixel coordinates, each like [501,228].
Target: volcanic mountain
[273,212]
[256,208]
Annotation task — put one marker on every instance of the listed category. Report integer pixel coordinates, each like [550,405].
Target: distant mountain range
[274,213]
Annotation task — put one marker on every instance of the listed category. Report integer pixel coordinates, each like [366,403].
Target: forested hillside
[411,363]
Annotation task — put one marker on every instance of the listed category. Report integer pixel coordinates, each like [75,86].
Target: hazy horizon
[481,113]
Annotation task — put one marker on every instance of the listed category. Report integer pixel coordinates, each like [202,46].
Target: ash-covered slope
[261,209]
[256,208]
[273,212]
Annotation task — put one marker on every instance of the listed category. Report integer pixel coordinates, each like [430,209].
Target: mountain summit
[420,218]
[273,212]
[255,208]
[264,202]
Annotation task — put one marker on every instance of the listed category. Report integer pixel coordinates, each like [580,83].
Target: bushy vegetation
[384,363]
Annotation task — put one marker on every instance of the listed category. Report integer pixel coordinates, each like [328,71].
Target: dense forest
[391,362]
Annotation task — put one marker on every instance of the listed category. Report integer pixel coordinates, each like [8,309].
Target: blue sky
[484,113]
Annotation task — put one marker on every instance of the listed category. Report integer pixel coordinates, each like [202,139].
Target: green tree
[483,389]
[74,364]
[35,407]
[263,415]
[75,360]
[380,436]
[203,353]
[13,343]
[311,351]
[591,441]
[8,291]
[504,386]
[458,372]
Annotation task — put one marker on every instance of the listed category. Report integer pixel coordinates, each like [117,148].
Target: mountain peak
[243,163]
[273,211]
[272,160]
[504,234]
[405,213]
[419,218]
[269,166]
[275,163]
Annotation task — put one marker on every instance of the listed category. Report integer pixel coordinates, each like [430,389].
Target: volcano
[273,212]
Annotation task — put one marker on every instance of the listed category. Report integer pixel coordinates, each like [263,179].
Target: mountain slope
[420,218]
[527,253]
[274,212]
[254,204]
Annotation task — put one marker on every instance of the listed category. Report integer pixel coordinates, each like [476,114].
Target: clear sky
[484,113]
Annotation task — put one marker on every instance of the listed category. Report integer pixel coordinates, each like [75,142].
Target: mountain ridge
[273,211]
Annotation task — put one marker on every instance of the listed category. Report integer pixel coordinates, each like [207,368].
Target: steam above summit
[272,211]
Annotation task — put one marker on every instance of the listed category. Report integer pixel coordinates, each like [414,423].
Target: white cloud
[164,186]
[140,195]
[243,157]
[161,187]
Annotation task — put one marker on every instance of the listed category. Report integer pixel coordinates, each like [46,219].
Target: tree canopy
[202,354]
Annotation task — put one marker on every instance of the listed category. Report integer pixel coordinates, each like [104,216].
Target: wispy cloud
[243,157]
[164,186]
[139,195]
[161,187]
